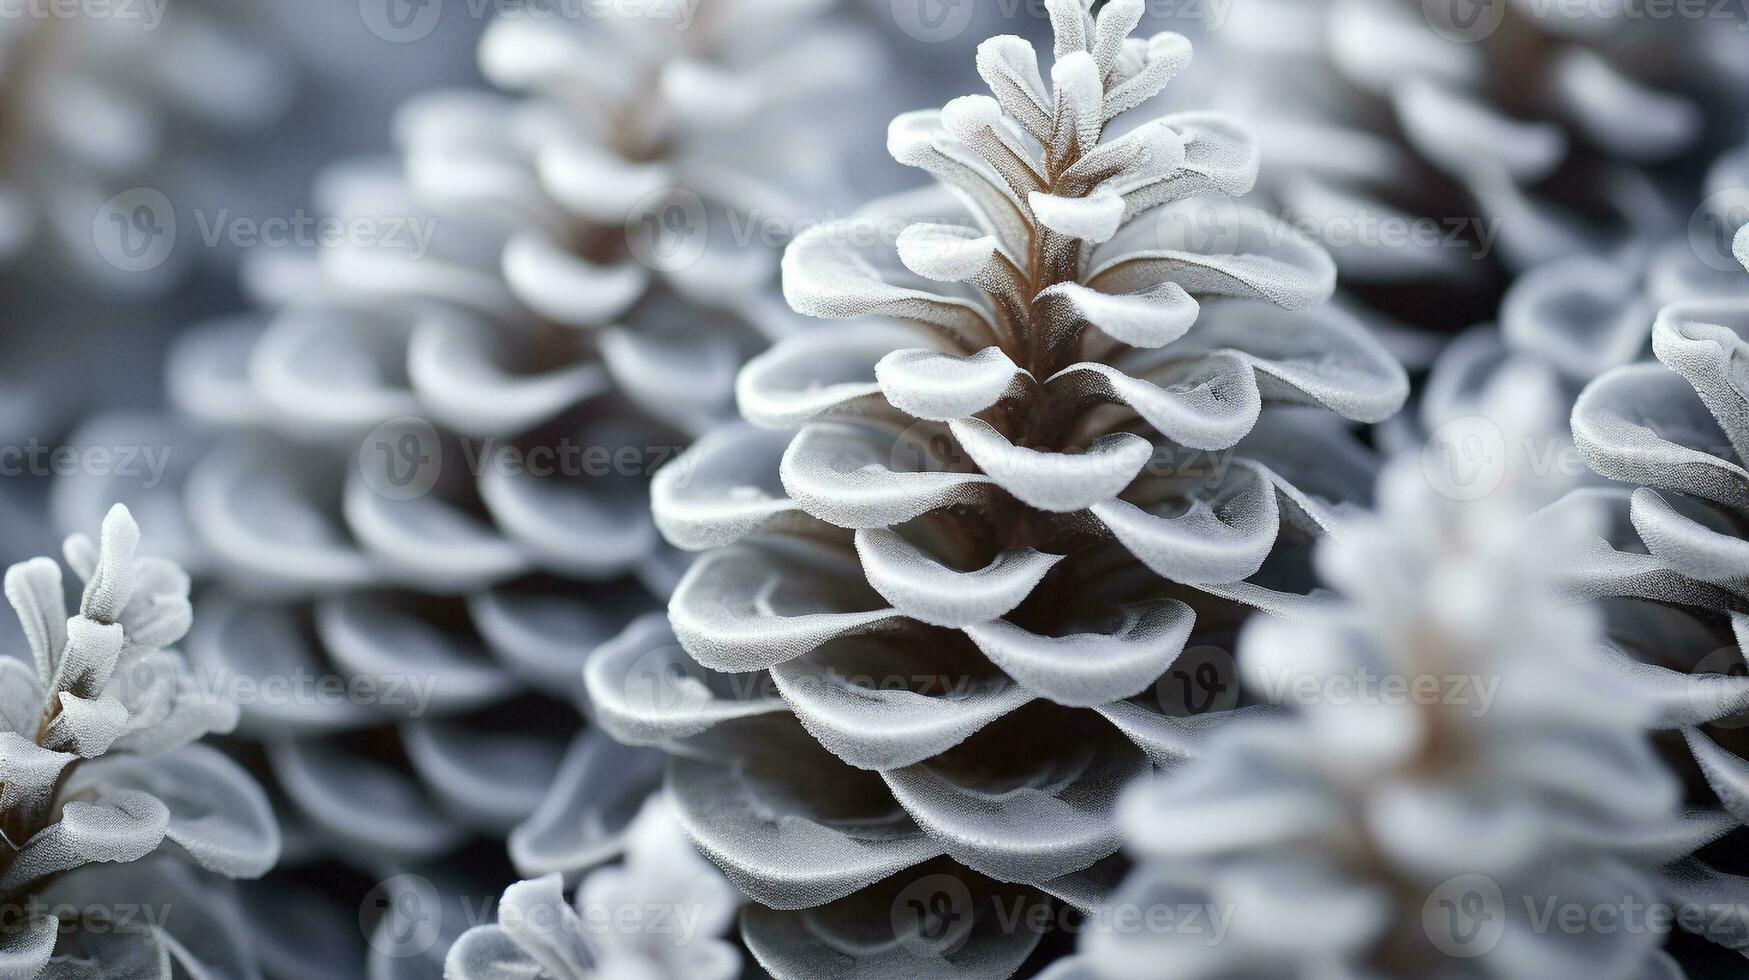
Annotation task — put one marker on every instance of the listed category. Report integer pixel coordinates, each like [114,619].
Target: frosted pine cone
[1561,129]
[999,511]
[424,613]
[655,916]
[107,798]
[1456,763]
[96,101]
[103,101]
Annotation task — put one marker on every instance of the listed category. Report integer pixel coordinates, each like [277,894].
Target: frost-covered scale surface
[999,510]
[106,796]
[657,915]
[1387,835]
[1670,565]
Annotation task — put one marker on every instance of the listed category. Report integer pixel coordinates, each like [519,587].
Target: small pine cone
[109,806]
[928,637]
[540,328]
[659,915]
[109,122]
[1580,316]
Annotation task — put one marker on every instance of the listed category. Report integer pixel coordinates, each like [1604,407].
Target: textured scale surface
[1668,566]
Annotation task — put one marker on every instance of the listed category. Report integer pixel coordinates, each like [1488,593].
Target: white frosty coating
[1093,219]
[1074,414]
[925,590]
[795,383]
[1059,482]
[1148,319]
[936,386]
[1331,835]
[97,754]
[656,916]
